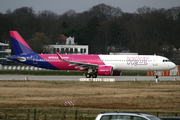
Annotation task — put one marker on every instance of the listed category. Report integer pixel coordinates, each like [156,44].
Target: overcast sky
[61,6]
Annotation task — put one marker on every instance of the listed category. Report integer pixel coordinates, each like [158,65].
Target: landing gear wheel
[88,75]
[94,75]
[156,76]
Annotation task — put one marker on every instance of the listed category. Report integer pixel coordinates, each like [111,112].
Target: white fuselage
[137,62]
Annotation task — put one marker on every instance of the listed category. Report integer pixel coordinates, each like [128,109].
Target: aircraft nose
[173,65]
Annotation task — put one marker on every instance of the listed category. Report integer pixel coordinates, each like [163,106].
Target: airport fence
[173,72]
[56,114]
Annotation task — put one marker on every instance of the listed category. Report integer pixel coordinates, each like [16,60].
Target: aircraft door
[35,59]
[155,61]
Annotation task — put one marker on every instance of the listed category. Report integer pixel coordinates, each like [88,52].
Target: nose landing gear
[156,76]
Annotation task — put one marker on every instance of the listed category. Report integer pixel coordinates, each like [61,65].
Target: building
[69,47]
[4,52]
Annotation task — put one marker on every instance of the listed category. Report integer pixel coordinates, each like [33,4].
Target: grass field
[125,96]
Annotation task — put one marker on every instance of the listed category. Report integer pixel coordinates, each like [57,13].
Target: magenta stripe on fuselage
[54,60]
[16,36]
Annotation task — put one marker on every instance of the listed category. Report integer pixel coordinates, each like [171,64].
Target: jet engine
[105,70]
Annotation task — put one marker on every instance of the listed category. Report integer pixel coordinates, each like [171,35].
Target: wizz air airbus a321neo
[105,65]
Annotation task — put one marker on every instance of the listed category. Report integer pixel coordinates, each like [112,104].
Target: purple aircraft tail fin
[19,44]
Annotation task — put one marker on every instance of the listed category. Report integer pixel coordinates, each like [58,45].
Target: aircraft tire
[156,76]
[94,75]
[88,75]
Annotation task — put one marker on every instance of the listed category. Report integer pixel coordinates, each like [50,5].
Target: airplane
[103,65]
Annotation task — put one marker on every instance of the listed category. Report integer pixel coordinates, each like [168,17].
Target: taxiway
[76,78]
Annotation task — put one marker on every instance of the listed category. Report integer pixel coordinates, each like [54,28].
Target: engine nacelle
[105,71]
[117,73]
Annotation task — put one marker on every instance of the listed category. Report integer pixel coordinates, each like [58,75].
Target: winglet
[59,56]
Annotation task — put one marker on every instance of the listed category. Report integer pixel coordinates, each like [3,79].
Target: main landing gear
[91,73]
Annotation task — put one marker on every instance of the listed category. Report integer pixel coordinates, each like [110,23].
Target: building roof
[63,37]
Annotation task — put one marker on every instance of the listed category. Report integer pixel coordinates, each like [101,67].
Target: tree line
[146,31]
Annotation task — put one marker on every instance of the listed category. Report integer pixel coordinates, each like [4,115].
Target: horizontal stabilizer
[22,59]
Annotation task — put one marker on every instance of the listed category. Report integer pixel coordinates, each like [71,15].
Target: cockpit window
[166,60]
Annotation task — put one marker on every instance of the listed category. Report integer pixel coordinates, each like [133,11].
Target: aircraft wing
[79,64]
